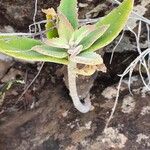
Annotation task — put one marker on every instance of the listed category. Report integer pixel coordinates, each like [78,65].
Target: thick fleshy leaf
[50,26]
[50,51]
[34,56]
[87,70]
[65,29]
[117,20]
[57,42]
[93,36]
[16,44]
[82,32]
[20,48]
[69,9]
[88,58]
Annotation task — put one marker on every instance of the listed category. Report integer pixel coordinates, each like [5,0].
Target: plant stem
[82,107]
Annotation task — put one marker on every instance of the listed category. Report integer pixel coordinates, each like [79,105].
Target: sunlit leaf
[20,48]
[34,56]
[93,36]
[50,51]
[117,20]
[88,58]
[15,44]
[69,9]
[82,32]
[57,42]
[65,29]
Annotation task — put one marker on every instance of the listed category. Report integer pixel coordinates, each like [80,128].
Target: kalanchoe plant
[70,44]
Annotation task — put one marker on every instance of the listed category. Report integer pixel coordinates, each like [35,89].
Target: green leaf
[93,36]
[16,44]
[82,32]
[69,9]
[50,30]
[65,29]
[20,47]
[117,20]
[88,58]
[57,42]
[34,56]
[50,26]
[50,51]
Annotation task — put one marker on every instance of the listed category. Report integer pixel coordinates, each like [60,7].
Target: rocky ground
[45,119]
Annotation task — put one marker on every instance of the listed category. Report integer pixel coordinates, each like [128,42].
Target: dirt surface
[45,119]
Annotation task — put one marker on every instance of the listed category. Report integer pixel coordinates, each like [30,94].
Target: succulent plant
[70,44]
